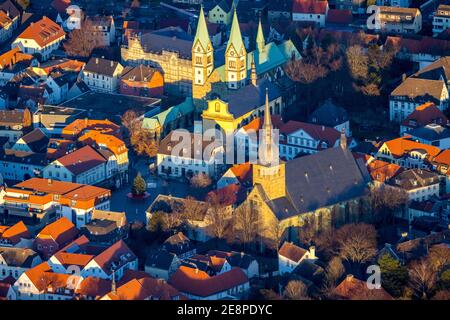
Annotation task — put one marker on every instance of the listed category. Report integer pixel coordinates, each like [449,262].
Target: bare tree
[439,257]
[358,62]
[142,141]
[357,242]
[422,278]
[308,231]
[247,223]
[386,200]
[296,290]
[335,270]
[81,41]
[218,205]
[201,180]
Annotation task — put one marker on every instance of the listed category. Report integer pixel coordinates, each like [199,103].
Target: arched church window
[217,107]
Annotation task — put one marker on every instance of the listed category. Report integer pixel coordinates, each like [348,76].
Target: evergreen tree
[139,186]
[394,276]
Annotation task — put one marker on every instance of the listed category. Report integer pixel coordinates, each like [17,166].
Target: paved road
[135,209]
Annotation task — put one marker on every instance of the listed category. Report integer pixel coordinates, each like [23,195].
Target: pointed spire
[260,41]
[267,117]
[235,35]
[202,34]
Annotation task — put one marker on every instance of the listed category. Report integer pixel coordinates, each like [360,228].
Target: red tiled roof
[199,283]
[113,255]
[94,287]
[60,5]
[15,233]
[309,6]
[144,288]
[318,132]
[291,251]
[339,16]
[81,160]
[354,289]
[425,114]
[399,146]
[60,231]
[382,171]
[13,56]
[43,32]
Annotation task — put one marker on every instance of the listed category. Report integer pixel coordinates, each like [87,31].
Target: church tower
[202,52]
[260,41]
[270,171]
[235,57]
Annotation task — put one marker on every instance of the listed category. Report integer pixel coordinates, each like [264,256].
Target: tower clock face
[232,53]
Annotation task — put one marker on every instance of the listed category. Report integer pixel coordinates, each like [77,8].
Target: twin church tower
[234,72]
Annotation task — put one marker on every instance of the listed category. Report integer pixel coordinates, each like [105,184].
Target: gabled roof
[425,114]
[415,88]
[354,289]
[18,257]
[145,288]
[329,114]
[81,160]
[339,16]
[60,231]
[399,146]
[319,180]
[317,132]
[36,140]
[9,6]
[44,32]
[414,178]
[382,171]
[114,257]
[101,66]
[291,251]
[14,233]
[159,259]
[439,69]
[199,283]
[94,287]
[140,73]
[309,6]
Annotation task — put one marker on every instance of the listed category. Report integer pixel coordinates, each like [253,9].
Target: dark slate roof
[159,259]
[178,244]
[169,39]
[310,271]
[322,179]
[250,97]
[8,6]
[328,114]
[18,257]
[414,178]
[36,159]
[240,260]
[11,117]
[101,66]
[440,69]
[430,132]
[36,140]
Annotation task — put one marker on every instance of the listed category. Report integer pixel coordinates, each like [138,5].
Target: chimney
[403,77]
[49,181]
[349,277]
[343,141]
[112,63]
[312,252]
[96,60]
[323,128]
[404,234]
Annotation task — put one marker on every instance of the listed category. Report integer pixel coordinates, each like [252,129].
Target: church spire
[235,35]
[268,152]
[260,41]
[202,34]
